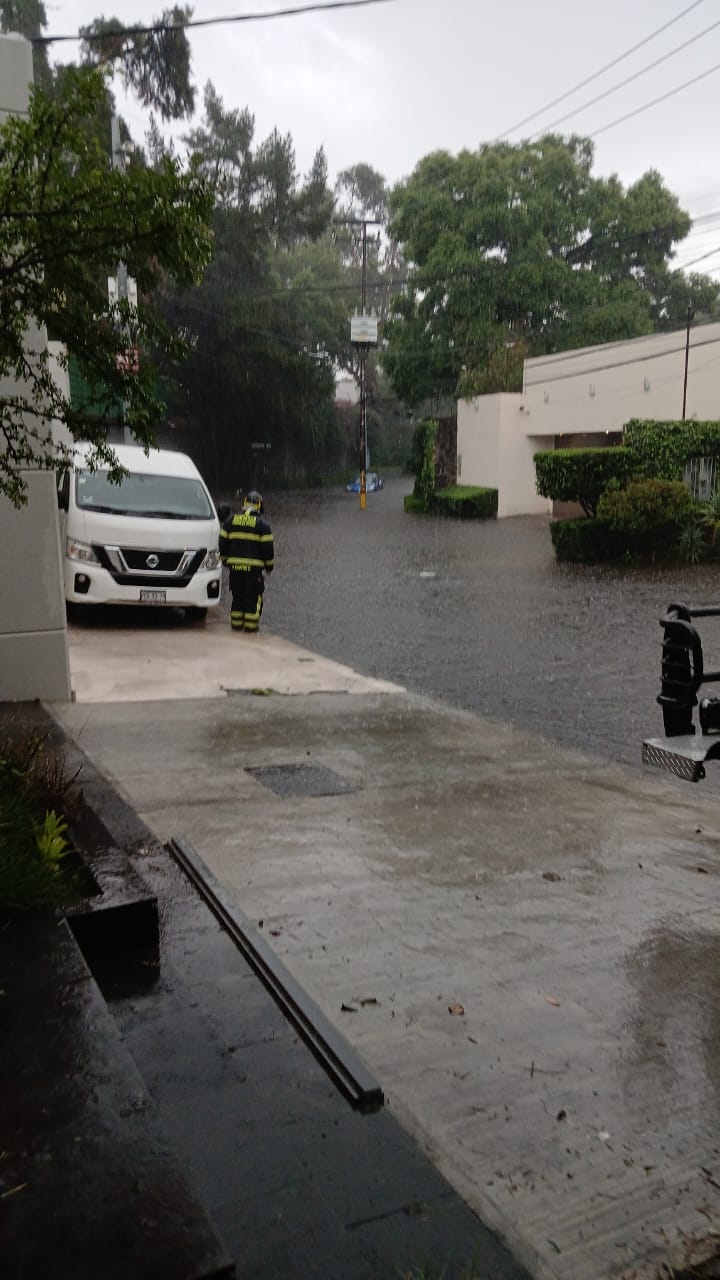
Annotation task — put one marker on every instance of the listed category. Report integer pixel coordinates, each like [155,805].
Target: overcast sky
[387,83]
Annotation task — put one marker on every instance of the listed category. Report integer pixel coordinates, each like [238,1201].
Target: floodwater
[480,615]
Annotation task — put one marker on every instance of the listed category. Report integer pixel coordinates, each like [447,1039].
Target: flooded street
[480,615]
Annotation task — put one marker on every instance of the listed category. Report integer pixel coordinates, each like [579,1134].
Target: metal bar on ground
[337,1057]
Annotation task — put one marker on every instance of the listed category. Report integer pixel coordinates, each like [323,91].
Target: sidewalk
[519,940]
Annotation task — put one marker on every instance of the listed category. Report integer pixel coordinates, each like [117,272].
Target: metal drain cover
[297,780]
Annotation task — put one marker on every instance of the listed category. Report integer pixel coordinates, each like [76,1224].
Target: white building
[583,397]
[33,633]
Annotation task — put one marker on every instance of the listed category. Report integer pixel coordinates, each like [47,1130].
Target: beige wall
[591,393]
[495,450]
[600,388]
[33,634]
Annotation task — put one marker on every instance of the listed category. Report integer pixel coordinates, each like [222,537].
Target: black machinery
[683,751]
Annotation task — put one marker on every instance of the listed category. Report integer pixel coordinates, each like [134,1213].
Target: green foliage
[66,219]
[415,506]
[662,449]
[517,249]
[155,64]
[692,544]
[423,460]
[586,541]
[582,475]
[35,869]
[466,502]
[647,507]
[51,838]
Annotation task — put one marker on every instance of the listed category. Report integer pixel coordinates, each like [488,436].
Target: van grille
[129,565]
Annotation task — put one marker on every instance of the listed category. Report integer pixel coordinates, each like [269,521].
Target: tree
[154,63]
[263,327]
[519,250]
[66,219]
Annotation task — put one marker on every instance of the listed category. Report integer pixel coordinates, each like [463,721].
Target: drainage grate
[297,780]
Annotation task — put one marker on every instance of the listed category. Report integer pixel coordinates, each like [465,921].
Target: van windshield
[161,497]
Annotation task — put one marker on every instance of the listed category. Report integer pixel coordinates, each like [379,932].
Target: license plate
[152,597]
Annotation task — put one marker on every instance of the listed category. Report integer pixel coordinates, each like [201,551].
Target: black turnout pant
[247,586]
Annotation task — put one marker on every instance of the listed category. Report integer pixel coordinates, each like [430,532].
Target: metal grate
[300,780]
[681,765]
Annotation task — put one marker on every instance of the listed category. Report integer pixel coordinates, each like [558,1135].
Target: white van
[150,540]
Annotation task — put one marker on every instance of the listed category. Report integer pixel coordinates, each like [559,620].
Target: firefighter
[246,547]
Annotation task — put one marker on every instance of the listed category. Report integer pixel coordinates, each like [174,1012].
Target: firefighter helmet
[253,499]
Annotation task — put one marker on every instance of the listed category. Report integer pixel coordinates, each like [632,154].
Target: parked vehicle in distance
[150,540]
[372,483]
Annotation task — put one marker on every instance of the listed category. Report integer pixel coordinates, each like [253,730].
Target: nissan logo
[152,561]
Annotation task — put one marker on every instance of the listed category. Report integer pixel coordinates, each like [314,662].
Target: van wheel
[193,614]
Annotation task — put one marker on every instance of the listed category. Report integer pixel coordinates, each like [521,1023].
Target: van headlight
[211,561]
[75,550]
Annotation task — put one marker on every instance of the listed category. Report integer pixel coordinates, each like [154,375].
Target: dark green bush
[423,459]
[416,506]
[587,540]
[648,507]
[582,475]
[37,869]
[466,502]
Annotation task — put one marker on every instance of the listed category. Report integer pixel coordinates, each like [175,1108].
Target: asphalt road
[480,615]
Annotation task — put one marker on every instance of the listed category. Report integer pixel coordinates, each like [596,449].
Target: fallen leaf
[552,1000]
[369,1000]
[551,875]
[456,1009]
[703,871]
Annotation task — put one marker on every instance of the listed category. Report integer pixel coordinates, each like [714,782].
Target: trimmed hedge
[466,502]
[587,540]
[416,506]
[582,475]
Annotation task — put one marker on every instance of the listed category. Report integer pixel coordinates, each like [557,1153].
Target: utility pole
[363,334]
[690,318]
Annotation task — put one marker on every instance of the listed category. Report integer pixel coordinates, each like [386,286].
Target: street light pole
[690,316]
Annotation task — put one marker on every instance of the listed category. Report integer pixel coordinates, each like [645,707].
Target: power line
[663,98]
[211,22]
[628,80]
[608,67]
[703,256]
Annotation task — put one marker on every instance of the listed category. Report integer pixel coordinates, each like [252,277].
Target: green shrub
[587,540]
[466,502]
[36,871]
[693,542]
[582,475]
[416,506]
[423,459]
[647,506]
[662,449]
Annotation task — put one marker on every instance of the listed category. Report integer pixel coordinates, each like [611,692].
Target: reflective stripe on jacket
[246,542]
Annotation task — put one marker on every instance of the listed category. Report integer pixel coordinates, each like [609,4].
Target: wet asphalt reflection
[480,615]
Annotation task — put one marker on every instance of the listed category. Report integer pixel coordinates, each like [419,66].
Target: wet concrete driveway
[520,937]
